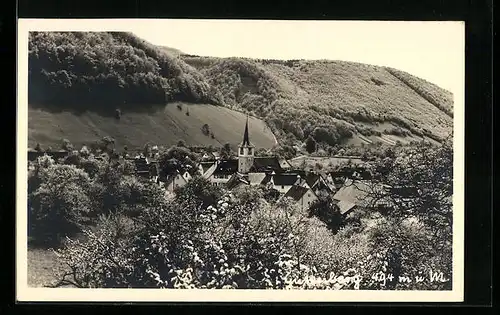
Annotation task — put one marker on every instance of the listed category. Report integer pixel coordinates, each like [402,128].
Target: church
[250,170]
[246,166]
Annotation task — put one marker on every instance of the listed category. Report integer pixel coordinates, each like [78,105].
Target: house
[56,155]
[208,157]
[284,164]
[220,173]
[303,196]
[236,181]
[176,180]
[317,183]
[357,194]
[204,167]
[253,169]
[146,168]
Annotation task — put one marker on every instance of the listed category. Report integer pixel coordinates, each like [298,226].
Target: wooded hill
[328,102]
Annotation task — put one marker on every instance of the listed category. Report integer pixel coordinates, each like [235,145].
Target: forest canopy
[72,68]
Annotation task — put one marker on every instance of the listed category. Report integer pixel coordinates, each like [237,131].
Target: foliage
[226,152]
[325,209]
[310,145]
[205,129]
[420,183]
[102,68]
[199,191]
[330,101]
[58,203]
[66,145]
[178,158]
[204,237]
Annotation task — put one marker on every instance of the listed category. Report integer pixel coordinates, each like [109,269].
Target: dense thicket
[101,68]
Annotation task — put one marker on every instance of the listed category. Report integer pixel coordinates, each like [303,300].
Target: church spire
[246,139]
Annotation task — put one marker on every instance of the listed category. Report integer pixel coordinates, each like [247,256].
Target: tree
[417,187]
[60,204]
[146,150]
[226,152]
[205,129]
[178,158]
[84,151]
[66,145]
[199,191]
[310,145]
[325,210]
[38,148]
[181,143]
[107,144]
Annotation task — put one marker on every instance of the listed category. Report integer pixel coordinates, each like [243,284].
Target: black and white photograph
[240,159]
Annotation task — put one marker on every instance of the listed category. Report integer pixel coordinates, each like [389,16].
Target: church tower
[246,153]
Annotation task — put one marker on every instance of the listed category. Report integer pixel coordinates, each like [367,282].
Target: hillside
[134,129]
[332,103]
[333,100]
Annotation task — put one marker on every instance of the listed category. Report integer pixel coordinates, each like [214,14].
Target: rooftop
[296,192]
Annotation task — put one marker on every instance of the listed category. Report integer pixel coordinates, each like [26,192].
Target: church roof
[263,164]
[227,167]
[246,138]
[284,179]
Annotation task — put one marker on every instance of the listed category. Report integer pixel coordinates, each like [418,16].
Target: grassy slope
[340,90]
[349,87]
[134,129]
[299,92]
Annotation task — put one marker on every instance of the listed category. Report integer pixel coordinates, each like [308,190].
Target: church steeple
[245,153]
[246,139]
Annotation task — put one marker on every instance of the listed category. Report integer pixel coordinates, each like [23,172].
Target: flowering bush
[204,237]
[58,202]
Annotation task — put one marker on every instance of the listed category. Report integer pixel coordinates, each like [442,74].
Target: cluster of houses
[349,188]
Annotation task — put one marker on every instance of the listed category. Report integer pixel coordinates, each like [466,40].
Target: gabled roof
[256,178]
[312,179]
[266,179]
[235,181]
[357,193]
[296,192]
[267,163]
[226,167]
[345,206]
[284,179]
[176,176]
[205,166]
[352,192]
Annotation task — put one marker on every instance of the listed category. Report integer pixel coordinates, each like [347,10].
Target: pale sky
[430,50]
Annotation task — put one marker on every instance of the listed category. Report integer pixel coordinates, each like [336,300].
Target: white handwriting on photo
[383,278]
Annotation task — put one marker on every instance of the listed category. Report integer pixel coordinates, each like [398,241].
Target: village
[349,187]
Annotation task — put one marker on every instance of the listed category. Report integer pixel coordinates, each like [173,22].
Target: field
[41,263]
[163,126]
